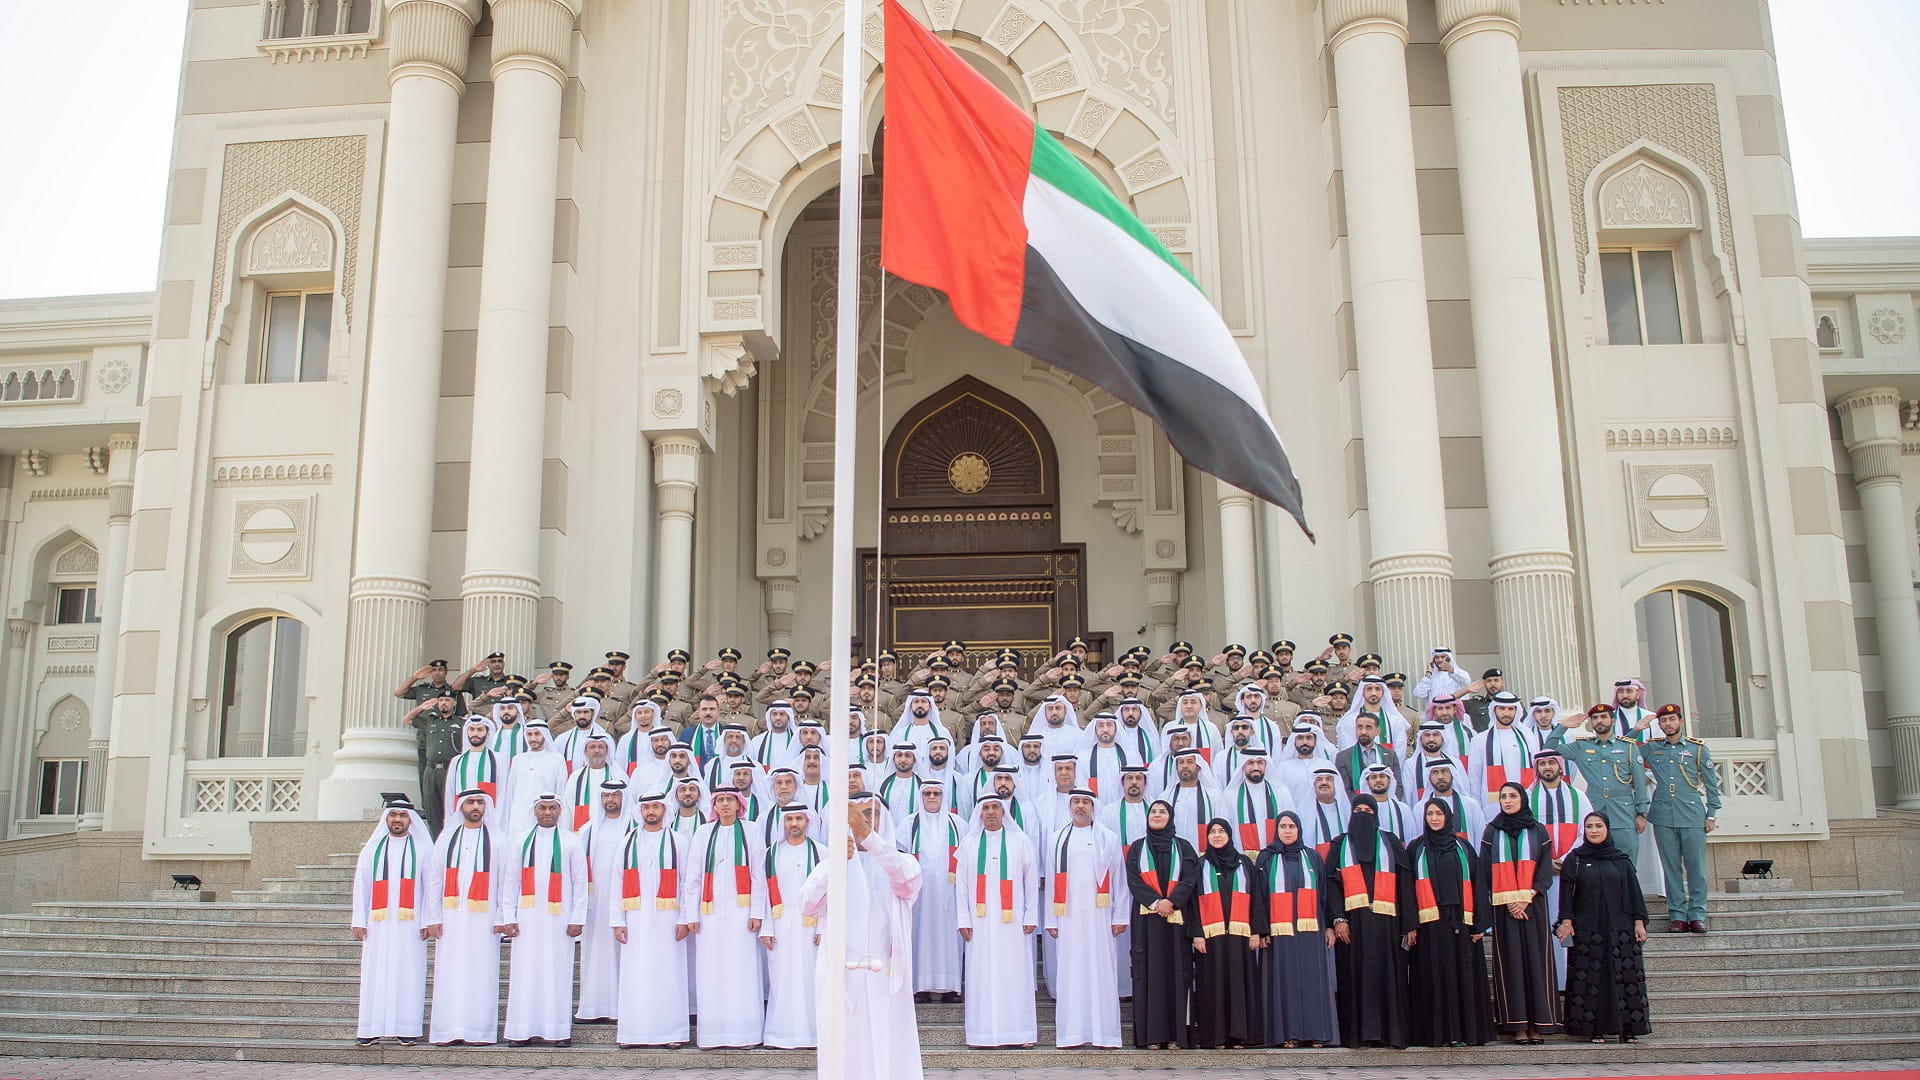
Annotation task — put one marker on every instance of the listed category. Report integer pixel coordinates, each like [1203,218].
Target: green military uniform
[1616,784]
[1686,796]
[437,741]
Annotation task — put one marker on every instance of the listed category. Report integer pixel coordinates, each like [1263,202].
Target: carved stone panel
[330,171]
[1674,507]
[272,538]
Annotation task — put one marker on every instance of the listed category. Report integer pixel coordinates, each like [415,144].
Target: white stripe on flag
[1133,292]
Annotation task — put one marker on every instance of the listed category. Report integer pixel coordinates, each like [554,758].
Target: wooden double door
[970,542]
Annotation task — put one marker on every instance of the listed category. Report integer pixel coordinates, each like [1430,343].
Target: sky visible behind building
[88,93]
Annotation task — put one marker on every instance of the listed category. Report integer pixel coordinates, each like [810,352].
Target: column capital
[536,35]
[1870,429]
[1460,18]
[1346,19]
[429,38]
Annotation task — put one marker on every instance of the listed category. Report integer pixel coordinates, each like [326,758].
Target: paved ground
[21,1068]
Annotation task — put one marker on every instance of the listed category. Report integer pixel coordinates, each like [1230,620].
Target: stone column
[1239,599]
[106,657]
[393,514]
[500,592]
[1532,561]
[676,479]
[1870,429]
[1163,607]
[778,596]
[1412,568]
[19,763]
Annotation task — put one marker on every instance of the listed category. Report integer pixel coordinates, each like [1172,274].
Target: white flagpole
[832,1012]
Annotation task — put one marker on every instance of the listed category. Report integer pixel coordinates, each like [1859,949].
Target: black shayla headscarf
[1363,830]
[1513,823]
[1604,851]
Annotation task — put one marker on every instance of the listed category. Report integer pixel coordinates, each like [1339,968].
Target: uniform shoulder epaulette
[1701,742]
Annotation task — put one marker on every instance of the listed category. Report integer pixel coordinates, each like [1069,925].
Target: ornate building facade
[510,327]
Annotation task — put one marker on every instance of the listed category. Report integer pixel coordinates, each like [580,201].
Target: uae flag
[1034,252]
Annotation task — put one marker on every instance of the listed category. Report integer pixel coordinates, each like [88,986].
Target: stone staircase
[271,975]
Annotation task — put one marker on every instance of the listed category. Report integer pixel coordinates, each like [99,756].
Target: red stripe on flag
[954,188]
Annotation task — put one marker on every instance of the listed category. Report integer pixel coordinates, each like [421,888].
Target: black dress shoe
[517,1043]
[564,1043]
[1698,926]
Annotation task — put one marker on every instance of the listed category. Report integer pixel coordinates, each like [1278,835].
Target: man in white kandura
[882,1035]
[1089,872]
[730,865]
[393,925]
[603,842]
[651,923]
[789,934]
[996,895]
[932,837]
[546,912]
[466,962]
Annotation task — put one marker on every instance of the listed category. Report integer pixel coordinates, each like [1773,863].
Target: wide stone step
[326,871]
[1788,920]
[1801,900]
[77,962]
[1767,980]
[1668,1003]
[179,984]
[328,897]
[338,1008]
[199,914]
[1655,1050]
[1900,933]
[1879,1021]
[1757,954]
[184,946]
[137,929]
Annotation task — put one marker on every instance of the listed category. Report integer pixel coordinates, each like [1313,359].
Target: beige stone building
[512,328]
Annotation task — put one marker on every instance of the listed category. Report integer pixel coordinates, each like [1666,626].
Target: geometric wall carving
[80,560]
[1674,507]
[1597,122]
[330,171]
[271,538]
[294,242]
[1641,197]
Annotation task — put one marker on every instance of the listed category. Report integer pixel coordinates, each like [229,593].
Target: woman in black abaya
[1445,907]
[1226,983]
[1603,918]
[1162,871]
[1366,929]
[1526,990]
[1297,964]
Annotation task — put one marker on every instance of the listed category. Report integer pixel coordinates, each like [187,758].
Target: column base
[778,597]
[369,761]
[1533,612]
[1904,734]
[1412,607]
[94,799]
[1163,606]
[499,611]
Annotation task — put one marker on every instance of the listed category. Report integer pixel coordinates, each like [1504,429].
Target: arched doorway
[970,542]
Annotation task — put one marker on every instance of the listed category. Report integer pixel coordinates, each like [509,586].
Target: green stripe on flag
[1054,164]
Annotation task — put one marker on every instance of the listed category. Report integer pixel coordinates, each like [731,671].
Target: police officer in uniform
[428,683]
[554,690]
[436,723]
[477,681]
[1616,784]
[1686,799]
[621,692]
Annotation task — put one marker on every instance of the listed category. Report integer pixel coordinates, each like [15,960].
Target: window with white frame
[62,781]
[263,706]
[318,18]
[1643,295]
[1687,654]
[73,604]
[295,329]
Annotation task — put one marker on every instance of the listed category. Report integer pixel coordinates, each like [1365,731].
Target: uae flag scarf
[478,769]
[980,879]
[385,896]
[1353,878]
[1034,252]
[1423,886]
[1143,865]
[666,890]
[1293,907]
[1224,905]
[1513,866]
[776,905]
[953,844]
[1102,894]
[480,886]
[530,877]
[742,869]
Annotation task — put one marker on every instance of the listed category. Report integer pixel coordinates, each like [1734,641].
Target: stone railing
[294,30]
[1748,768]
[252,787]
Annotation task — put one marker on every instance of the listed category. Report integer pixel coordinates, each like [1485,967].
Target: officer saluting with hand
[1686,799]
[1616,784]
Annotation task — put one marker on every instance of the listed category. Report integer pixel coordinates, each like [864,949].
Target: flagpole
[832,1013]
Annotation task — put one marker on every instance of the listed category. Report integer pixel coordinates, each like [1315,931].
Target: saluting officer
[436,726]
[1686,798]
[1616,784]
